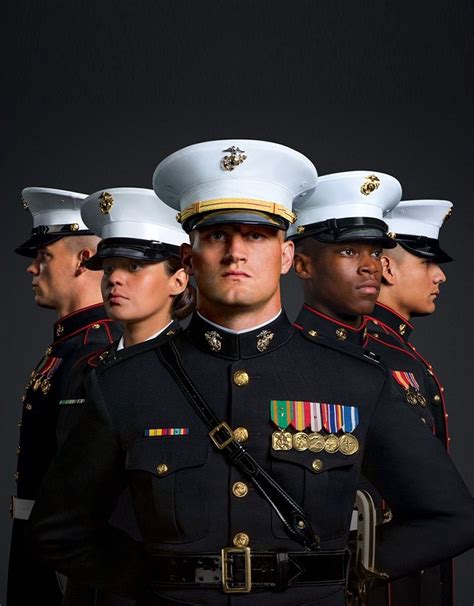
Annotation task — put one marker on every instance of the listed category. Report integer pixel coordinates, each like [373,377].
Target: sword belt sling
[294,519]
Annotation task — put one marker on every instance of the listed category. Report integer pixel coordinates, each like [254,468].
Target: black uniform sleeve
[433,511]
[69,526]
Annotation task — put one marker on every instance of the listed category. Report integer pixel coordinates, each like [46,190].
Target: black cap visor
[147,251]
[243,217]
[350,229]
[421,246]
[40,238]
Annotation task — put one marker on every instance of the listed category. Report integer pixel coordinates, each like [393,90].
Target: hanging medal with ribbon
[281,413]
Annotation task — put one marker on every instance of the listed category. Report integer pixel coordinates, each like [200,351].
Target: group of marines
[243,457]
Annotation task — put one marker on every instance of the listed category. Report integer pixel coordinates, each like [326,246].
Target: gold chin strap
[236,204]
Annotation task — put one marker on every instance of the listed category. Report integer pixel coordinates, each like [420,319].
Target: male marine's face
[342,280]
[415,281]
[52,271]
[237,265]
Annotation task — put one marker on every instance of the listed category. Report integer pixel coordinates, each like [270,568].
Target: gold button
[240,489]
[241,539]
[301,524]
[16,476]
[437,398]
[241,378]
[375,335]
[28,406]
[162,468]
[313,333]
[317,465]
[423,419]
[19,423]
[48,351]
[96,326]
[341,333]
[18,450]
[241,434]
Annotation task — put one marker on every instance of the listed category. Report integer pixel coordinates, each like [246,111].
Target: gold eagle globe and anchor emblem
[264,339]
[106,202]
[213,339]
[237,156]
[370,184]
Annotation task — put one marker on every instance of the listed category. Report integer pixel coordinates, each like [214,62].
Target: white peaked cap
[131,212]
[234,180]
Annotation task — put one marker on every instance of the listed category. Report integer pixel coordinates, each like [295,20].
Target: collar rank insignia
[214,340]
[412,389]
[264,339]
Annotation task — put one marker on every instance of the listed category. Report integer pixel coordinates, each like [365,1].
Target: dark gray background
[94,97]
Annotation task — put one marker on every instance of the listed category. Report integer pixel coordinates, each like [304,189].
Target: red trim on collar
[87,326]
[318,313]
[297,326]
[78,311]
[396,314]
[392,346]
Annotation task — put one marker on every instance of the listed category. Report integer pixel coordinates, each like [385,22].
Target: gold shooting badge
[301,441]
[282,440]
[316,442]
[331,443]
[348,444]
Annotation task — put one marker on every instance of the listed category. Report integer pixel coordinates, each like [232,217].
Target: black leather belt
[240,570]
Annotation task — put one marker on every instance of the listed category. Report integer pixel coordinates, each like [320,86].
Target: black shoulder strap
[294,519]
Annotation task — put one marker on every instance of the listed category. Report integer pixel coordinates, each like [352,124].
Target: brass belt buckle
[214,438]
[244,587]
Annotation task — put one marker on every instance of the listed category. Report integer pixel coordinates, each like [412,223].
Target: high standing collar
[393,320]
[87,317]
[318,324]
[225,344]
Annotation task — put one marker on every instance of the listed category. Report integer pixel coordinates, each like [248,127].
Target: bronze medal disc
[331,443]
[316,442]
[281,440]
[421,399]
[348,444]
[300,441]
[411,397]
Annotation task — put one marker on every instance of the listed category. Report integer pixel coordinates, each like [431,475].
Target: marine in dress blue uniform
[415,226]
[134,225]
[56,215]
[190,503]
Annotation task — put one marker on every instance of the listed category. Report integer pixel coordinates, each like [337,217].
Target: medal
[348,444]
[316,442]
[421,399]
[411,396]
[301,441]
[331,443]
[36,384]
[45,386]
[281,440]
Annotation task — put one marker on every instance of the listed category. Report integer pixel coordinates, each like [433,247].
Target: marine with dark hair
[411,281]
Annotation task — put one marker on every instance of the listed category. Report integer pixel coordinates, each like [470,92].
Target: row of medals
[415,397]
[347,443]
[37,381]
